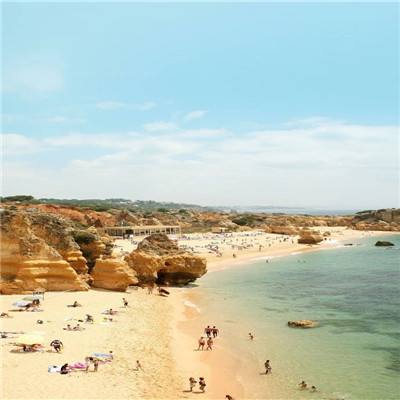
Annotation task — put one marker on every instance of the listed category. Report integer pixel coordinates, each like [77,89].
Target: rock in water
[158,259]
[383,243]
[302,323]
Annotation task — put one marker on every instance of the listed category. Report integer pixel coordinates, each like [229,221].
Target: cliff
[158,259]
[34,254]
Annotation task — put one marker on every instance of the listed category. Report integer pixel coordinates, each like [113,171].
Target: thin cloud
[119,105]
[196,114]
[160,126]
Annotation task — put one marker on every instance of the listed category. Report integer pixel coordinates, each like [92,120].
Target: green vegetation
[18,198]
[83,237]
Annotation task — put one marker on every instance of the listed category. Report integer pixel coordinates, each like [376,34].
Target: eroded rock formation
[383,243]
[113,274]
[31,247]
[310,237]
[158,259]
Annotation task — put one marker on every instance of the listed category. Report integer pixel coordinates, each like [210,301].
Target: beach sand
[160,332]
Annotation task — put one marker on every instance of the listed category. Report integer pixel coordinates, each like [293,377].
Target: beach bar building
[143,230]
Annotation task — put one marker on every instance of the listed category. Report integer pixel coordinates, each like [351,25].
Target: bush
[83,237]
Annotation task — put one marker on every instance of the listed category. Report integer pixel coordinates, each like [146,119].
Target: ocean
[353,292]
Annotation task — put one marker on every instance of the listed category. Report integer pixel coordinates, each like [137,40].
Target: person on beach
[88,361]
[251,336]
[125,302]
[202,343]
[215,331]
[202,384]
[57,345]
[229,397]
[207,331]
[313,389]
[76,304]
[64,369]
[303,385]
[89,319]
[150,289]
[95,365]
[210,343]
[138,366]
[192,383]
[268,368]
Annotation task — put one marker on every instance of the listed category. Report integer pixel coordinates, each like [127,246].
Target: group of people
[193,382]
[303,386]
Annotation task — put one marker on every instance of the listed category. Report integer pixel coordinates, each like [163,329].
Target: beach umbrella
[32,297]
[30,339]
[21,303]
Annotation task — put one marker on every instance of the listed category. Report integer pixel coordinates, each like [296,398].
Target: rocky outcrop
[383,243]
[158,259]
[302,323]
[31,247]
[310,237]
[113,274]
[282,230]
[378,220]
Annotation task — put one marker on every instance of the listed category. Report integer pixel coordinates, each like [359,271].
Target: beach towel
[78,365]
[53,369]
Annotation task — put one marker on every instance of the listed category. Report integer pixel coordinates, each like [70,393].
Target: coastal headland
[60,251]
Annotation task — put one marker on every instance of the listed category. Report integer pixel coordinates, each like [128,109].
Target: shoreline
[223,365]
[162,333]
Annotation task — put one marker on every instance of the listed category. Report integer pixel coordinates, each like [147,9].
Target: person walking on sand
[251,336]
[192,383]
[57,345]
[96,364]
[202,343]
[207,331]
[210,343]
[125,302]
[138,366]
[229,397]
[202,384]
[215,331]
[268,368]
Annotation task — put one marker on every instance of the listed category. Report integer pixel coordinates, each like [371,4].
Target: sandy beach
[160,332]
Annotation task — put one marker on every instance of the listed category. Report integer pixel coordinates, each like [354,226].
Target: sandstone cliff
[31,254]
[113,274]
[158,259]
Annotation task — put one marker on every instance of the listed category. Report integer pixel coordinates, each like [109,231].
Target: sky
[213,104]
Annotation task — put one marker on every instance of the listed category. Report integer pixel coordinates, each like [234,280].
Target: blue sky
[290,104]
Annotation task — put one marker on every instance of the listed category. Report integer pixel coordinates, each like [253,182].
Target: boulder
[310,237]
[302,323]
[383,243]
[158,259]
[113,274]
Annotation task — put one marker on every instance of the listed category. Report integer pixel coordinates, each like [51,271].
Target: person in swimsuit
[251,336]
[64,369]
[215,331]
[57,345]
[229,397]
[202,343]
[192,383]
[96,364]
[313,389]
[303,385]
[138,366]
[202,384]
[210,343]
[268,368]
[125,302]
[207,331]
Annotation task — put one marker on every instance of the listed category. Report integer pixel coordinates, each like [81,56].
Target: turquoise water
[353,292]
